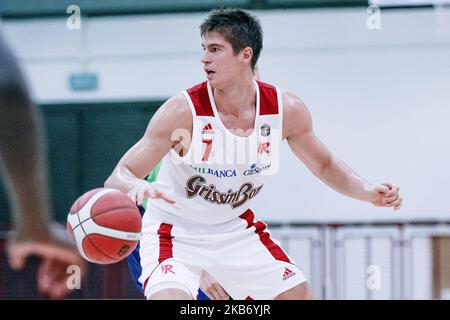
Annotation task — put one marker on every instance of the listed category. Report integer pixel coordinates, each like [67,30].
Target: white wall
[380,99]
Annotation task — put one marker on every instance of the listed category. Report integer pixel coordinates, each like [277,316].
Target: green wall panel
[84,142]
[106,138]
[63,160]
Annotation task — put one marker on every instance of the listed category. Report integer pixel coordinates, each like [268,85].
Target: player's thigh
[301,291]
[166,291]
[170,294]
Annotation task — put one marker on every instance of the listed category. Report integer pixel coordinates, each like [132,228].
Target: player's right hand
[144,189]
[212,288]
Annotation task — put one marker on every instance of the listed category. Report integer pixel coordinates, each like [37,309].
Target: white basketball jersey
[222,173]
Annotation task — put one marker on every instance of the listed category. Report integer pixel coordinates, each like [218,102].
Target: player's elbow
[118,177]
[322,168]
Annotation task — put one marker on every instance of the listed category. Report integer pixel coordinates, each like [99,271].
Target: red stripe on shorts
[145,283]
[165,245]
[260,226]
[165,242]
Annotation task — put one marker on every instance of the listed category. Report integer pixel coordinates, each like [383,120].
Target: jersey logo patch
[265,130]
[264,147]
[208,129]
[287,274]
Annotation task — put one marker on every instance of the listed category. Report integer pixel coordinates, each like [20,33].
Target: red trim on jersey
[165,246]
[260,226]
[200,99]
[268,99]
[249,298]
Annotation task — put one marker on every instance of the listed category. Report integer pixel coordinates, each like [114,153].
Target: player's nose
[205,59]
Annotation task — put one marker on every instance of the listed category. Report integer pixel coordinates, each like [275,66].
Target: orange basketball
[105,225]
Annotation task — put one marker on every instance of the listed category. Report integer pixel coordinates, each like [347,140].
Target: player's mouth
[209,73]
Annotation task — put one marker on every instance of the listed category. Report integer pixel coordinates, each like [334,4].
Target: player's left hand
[386,195]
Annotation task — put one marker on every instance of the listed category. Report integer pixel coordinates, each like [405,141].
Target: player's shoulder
[292,104]
[179,102]
[175,112]
[176,104]
[296,115]
[291,100]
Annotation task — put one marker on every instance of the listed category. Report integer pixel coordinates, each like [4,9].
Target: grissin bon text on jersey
[196,186]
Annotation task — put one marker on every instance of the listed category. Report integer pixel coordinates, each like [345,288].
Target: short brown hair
[239,27]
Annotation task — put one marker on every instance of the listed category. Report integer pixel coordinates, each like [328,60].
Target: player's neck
[237,96]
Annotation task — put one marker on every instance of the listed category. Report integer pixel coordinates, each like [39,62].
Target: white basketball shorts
[239,254]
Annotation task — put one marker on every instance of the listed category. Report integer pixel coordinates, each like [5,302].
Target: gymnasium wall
[379,98]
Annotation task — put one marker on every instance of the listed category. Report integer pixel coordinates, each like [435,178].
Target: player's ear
[247,54]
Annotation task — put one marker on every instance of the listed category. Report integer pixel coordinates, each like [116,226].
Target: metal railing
[365,260]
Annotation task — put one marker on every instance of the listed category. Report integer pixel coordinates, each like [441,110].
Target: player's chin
[212,81]
[216,83]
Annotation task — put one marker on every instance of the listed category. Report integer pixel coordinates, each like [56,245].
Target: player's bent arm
[173,116]
[298,130]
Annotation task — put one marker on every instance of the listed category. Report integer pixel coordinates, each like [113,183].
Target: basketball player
[209,287]
[199,214]
[22,163]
